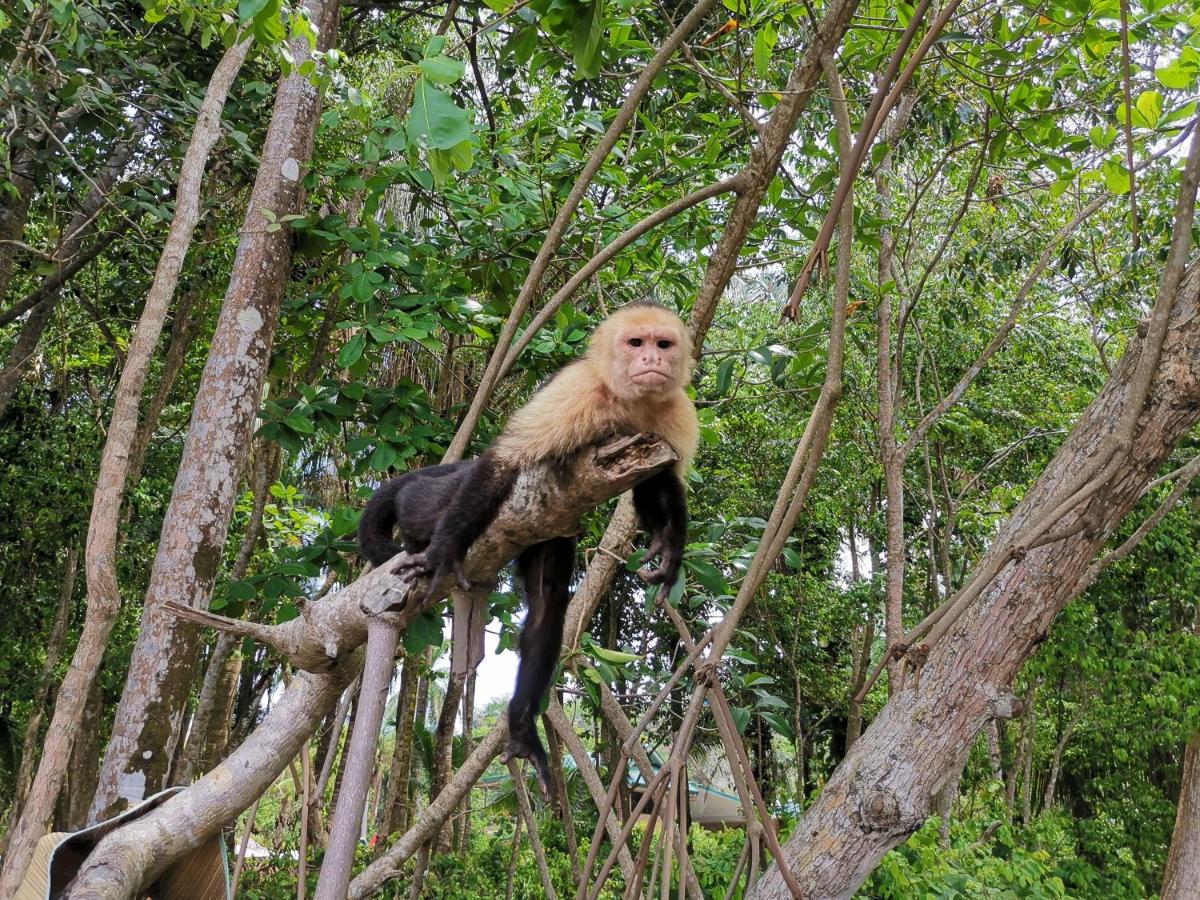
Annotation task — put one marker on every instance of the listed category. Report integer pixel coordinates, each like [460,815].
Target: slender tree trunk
[468,717]
[394,813]
[862,662]
[943,806]
[1027,767]
[443,746]
[184,329]
[1056,760]
[85,761]
[1018,763]
[1182,873]
[31,746]
[991,733]
[197,520]
[880,794]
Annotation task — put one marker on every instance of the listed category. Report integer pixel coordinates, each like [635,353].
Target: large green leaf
[435,119]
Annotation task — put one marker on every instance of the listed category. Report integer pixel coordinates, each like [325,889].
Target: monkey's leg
[545,571]
[661,505]
[478,492]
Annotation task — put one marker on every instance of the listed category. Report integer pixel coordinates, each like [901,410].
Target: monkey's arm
[661,505]
[463,516]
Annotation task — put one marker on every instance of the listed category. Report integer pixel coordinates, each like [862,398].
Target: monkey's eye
[635,342]
[664,345]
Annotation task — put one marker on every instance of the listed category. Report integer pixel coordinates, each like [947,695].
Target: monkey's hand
[435,564]
[668,569]
[523,743]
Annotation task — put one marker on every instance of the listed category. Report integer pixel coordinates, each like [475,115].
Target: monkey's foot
[667,572]
[520,747]
[426,565]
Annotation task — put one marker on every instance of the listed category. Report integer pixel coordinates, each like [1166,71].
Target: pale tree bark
[1182,873]
[210,723]
[889,390]
[881,792]
[100,562]
[185,568]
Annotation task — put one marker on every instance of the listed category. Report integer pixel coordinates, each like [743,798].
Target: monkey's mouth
[653,376]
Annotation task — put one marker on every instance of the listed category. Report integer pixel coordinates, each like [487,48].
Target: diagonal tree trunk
[193,535]
[881,792]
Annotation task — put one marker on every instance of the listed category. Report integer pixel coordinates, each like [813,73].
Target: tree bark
[85,762]
[359,762]
[210,723]
[443,746]
[193,535]
[394,815]
[881,792]
[1182,872]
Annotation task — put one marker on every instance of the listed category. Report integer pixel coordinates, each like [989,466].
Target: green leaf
[1116,176]
[1102,136]
[586,34]
[240,590]
[724,374]
[616,657]
[383,457]
[741,718]
[1148,109]
[248,9]
[300,424]
[778,724]
[708,575]
[423,631]
[764,44]
[352,350]
[442,69]
[436,119]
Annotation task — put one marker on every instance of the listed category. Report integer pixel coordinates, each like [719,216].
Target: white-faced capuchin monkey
[631,379]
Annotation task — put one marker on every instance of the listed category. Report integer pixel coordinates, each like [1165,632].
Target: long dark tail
[377,523]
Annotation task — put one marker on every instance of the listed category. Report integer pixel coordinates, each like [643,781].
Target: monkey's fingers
[461,577]
[544,779]
[417,562]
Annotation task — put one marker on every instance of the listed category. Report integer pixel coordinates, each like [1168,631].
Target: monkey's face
[648,356]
